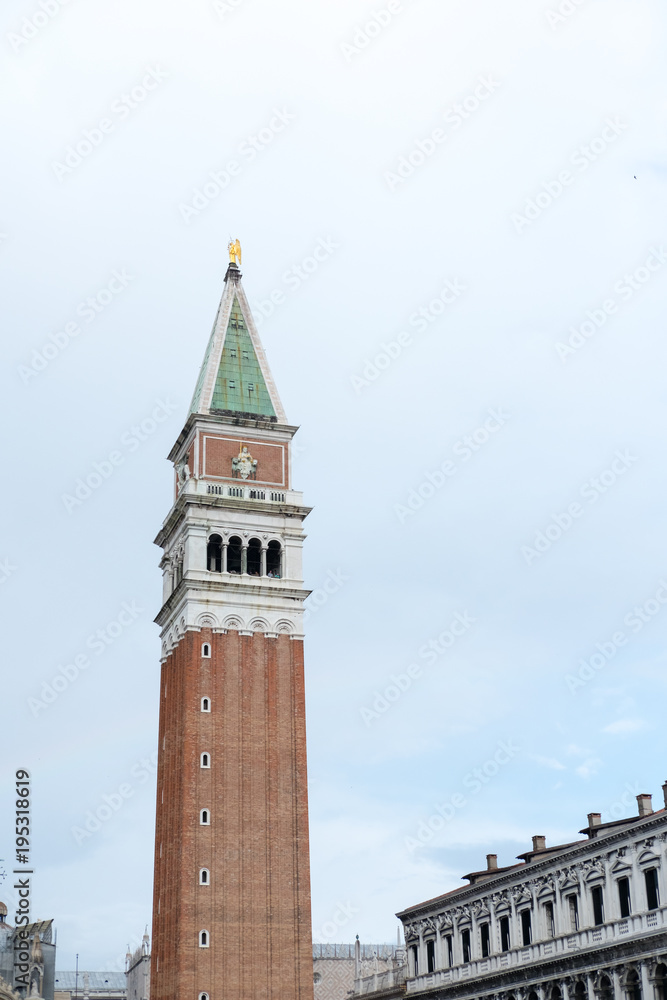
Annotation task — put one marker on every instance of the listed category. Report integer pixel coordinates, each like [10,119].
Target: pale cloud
[589,768]
[624,726]
[550,762]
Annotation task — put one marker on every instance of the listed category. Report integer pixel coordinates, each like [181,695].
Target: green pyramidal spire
[235,376]
[240,384]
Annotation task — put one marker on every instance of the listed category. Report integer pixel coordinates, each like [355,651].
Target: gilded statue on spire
[234,252]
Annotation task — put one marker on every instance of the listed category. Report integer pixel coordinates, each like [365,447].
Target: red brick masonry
[256,909]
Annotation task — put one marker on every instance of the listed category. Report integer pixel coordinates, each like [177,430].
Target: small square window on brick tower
[231,915]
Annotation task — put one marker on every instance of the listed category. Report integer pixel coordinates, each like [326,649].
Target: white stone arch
[259,625]
[207,621]
[284,627]
[233,623]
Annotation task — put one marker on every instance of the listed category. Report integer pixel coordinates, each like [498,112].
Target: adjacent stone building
[35,973]
[337,966]
[138,971]
[580,921]
[82,985]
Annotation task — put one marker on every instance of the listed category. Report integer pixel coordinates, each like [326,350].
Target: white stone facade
[581,921]
[196,597]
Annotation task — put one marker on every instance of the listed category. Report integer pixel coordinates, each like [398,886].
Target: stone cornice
[227,589]
[225,420]
[185,500]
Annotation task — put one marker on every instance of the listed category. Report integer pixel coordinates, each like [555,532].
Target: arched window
[274,560]
[254,557]
[203,996]
[206,760]
[206,650]
[580,991]
[632,986]
[605,991]
[204,877]
[661,982]
[206,704]
[203,939]
[214,554]
[234,551]
[205,817]
[556,993]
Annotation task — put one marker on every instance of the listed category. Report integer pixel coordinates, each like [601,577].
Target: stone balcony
[380,981]
[241,490]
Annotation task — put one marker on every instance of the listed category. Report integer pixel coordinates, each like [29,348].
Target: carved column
[615,976]
[262,570]
[648,993]
[494,943]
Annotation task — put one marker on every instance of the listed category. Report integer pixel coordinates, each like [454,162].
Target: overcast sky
[476,358]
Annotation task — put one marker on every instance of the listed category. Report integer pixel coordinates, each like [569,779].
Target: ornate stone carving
[244,466]
[233,622]
[284,627]
[259,625]
[207,621]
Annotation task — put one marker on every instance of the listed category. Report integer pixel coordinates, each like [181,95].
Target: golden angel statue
[234,252]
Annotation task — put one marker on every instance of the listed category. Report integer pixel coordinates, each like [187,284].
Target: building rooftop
[541,852]
[97,981]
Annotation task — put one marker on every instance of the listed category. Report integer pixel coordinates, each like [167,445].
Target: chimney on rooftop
[664,792]
[644,805]
[539,843]
[491,862]
[594,819]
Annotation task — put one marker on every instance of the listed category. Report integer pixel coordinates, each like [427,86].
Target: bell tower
[231,915]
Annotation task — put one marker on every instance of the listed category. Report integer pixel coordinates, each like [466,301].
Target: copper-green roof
[240,385]
[196,399]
